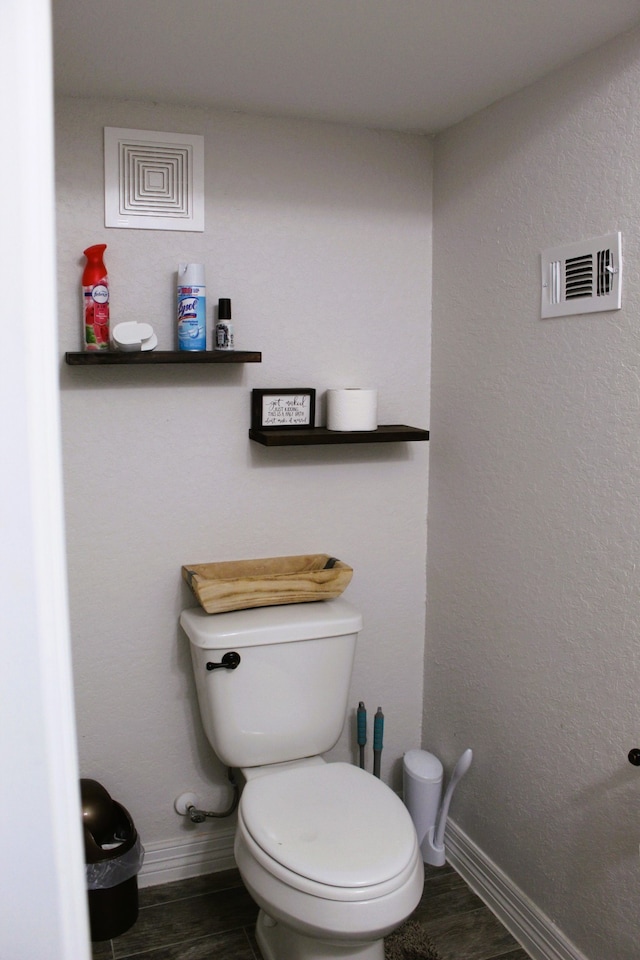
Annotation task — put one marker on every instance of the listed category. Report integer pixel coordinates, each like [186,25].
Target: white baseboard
[179,859]
[531,928]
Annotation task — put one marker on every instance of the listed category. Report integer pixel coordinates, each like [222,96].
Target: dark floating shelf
[306,436]
[144,357]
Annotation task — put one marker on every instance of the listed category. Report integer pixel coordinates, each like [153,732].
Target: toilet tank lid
[276,624]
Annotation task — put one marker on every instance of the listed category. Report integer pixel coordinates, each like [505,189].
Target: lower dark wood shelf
[294,437]
[101,358]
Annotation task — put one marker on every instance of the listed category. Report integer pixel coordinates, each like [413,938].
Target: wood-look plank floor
[213,918]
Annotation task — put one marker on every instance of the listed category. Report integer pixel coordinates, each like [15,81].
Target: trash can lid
[98,812]
[108,828]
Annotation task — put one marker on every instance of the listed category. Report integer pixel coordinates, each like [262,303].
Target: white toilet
[328,851]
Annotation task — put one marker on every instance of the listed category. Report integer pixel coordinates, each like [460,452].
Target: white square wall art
[153,181]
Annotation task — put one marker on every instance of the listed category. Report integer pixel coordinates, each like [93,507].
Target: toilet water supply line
[378,732]
[199,816]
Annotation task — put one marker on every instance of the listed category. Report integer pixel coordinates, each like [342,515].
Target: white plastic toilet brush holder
[422,782]
[422,787]
[433,852]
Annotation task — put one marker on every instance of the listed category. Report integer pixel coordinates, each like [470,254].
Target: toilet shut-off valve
[195,815]
[187,804]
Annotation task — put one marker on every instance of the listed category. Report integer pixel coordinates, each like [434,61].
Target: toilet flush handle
[229,661]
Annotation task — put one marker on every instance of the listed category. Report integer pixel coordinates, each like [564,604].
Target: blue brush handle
[378,729]
[362,724]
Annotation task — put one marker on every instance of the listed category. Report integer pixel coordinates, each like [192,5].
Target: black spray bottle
[224,326]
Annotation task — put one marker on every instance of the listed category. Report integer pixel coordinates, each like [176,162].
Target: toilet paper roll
[352,409]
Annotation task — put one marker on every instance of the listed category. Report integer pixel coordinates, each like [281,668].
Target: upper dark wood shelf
[298,437]
[100,358]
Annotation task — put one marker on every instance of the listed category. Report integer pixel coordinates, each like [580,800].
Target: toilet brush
[362,731]
[378,730]
[435,838]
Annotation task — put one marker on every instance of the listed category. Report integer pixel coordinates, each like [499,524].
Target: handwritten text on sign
[293,410]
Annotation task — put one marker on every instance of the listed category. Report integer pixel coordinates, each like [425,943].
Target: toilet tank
[287,698]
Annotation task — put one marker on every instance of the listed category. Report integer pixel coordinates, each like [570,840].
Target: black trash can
[113,857]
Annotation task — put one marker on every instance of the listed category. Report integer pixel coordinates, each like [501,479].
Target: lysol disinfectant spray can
[95,299]
[192,306]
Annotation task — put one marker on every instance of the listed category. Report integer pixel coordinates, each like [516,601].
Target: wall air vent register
[153,181]
[583,277]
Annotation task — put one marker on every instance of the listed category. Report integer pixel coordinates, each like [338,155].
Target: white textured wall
[534,510]
[321,235]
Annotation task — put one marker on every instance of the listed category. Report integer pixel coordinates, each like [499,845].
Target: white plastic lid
[132,335]
[150,344]
[191,274]
[423,765]
[332,823]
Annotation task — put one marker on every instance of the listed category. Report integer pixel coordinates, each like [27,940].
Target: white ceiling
[417,65]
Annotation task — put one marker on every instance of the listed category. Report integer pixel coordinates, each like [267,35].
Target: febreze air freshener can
[95,300]
[192,307]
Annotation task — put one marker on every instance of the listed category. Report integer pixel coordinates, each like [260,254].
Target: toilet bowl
[330,855]
[328,851]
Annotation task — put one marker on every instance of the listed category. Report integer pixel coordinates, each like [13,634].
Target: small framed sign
[283,409]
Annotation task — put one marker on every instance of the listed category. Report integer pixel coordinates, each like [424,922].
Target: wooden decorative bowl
[240,584]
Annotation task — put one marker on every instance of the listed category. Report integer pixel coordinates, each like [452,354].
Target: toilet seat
[330,830]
